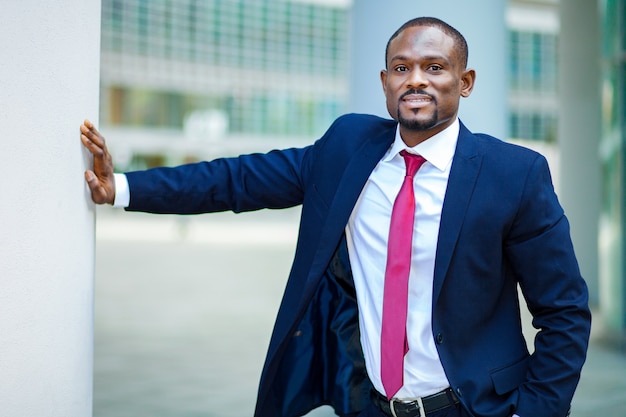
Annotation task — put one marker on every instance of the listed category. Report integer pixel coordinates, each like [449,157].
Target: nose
[417,79]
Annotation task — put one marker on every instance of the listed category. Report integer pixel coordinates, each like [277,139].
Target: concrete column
[50,82]
[579,130]
[483,25]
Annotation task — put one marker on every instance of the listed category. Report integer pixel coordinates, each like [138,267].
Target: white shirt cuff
[122,191]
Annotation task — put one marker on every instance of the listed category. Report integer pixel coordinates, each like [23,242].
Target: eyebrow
[449,63]
[425,58]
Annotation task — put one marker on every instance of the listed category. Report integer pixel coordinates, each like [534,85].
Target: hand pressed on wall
[100,180]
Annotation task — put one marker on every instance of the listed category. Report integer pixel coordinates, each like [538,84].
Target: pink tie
[395,299]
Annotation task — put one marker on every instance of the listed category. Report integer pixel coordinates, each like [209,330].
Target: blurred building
[533,35]
[217,67]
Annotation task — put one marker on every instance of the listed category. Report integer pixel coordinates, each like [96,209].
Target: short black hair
[459,40]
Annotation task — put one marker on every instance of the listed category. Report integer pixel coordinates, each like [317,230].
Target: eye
[401,68]
[435,67]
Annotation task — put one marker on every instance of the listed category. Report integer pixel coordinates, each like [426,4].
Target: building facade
[268,67]
[533,58]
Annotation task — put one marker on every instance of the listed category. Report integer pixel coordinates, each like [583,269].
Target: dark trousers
[454,411]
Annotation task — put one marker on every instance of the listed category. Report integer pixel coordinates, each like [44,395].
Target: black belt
[397,408]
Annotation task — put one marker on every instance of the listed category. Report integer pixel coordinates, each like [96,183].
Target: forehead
[418,41]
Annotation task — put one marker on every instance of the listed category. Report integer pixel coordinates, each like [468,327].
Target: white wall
[579,131]
[49,82]
[481,23]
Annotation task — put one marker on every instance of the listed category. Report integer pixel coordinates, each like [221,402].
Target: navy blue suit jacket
[501,225]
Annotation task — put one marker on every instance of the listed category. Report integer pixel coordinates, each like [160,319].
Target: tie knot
[413,162]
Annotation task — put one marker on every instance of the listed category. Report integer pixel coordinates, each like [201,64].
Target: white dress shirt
[367,234]
[122,191]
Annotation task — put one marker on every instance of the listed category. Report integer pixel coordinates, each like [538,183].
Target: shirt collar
[438,149]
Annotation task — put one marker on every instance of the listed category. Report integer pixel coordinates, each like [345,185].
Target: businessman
[414,237]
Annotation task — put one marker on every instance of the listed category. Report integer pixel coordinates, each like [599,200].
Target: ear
[467,82]
[383,80]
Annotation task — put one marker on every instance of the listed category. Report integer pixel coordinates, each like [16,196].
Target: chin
[416,123]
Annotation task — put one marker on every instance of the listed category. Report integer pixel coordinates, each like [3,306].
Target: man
[373,325]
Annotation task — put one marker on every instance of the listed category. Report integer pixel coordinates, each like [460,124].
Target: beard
[418,125]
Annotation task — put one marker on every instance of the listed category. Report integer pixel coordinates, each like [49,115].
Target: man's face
[424,81]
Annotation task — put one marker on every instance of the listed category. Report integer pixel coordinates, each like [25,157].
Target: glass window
[246,55]
[533,58]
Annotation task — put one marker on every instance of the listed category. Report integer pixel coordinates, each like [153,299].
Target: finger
[98,192]
[94,184]
[92,146]
[90,126]
[89,130]
[90,177]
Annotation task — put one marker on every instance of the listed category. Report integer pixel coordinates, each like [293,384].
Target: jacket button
[439,338]
[459,392]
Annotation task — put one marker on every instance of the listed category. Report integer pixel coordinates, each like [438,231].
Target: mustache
[418,92]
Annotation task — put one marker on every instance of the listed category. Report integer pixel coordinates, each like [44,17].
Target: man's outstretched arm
[100,180]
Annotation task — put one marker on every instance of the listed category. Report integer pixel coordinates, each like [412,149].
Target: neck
[413,137]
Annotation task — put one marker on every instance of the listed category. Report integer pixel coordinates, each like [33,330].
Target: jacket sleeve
[245,183]
[541,253]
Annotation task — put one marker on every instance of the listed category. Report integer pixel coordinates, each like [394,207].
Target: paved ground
[185,307]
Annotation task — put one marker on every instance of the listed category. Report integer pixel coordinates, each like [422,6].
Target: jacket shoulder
[500,160]
[368,123]
[353,130]
[492,144]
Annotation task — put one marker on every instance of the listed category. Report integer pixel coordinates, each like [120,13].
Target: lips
[417,98]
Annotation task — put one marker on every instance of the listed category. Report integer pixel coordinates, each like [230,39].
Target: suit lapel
[355,176]
[463,175]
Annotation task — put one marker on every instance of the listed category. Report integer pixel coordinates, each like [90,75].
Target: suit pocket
[510,377]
